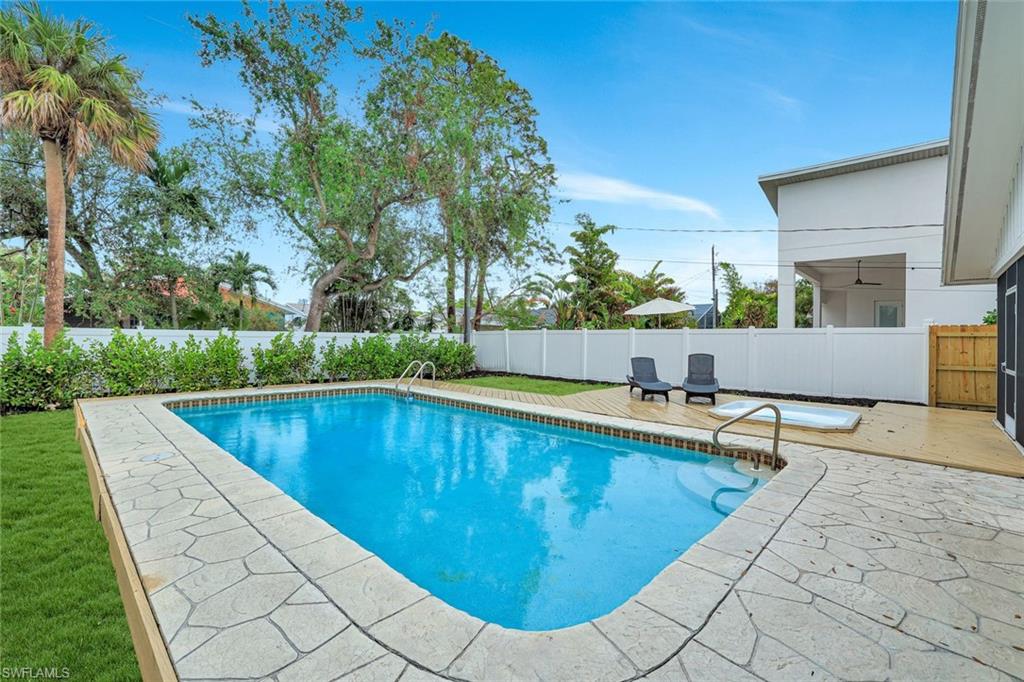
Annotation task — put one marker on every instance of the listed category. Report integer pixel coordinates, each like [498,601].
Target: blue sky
[657,114]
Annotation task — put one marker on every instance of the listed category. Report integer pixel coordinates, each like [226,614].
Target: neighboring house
[898,194]
[702,315]
[984,225]
[301,311]
[282,313]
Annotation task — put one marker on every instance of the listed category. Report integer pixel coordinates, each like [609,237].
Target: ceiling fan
[860,282]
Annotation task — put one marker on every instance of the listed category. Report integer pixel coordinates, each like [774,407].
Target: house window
[888,314]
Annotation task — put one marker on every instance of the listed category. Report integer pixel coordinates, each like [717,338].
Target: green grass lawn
[531,385]
[59,603]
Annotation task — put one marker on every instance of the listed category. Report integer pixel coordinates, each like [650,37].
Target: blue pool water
[529,526]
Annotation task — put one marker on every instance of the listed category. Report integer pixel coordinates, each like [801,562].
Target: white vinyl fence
[83,336]
[883,364]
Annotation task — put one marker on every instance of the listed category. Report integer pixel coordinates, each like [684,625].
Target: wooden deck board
[962,439]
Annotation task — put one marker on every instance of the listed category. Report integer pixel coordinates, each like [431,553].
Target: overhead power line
[754,230]
[686,230]
[838,266]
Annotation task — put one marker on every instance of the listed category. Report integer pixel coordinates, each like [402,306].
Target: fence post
[508,364]
[751,359]
[544,352]
[632,346]
[931,352]
[686,350]
[583,354]
[830,354]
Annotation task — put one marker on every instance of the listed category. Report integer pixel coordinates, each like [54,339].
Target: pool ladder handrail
[420,367]
[775,439]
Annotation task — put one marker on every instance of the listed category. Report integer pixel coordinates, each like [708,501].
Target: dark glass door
[1009,366]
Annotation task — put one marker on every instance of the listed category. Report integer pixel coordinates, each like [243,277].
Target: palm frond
[16,110]
[126,151]
[100,118]
[48,78]
[63,85]
[13,46]
[49,115]
[78,144]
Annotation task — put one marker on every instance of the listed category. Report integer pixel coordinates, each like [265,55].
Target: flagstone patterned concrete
[844,566]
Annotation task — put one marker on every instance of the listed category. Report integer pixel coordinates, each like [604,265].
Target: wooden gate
[962,366]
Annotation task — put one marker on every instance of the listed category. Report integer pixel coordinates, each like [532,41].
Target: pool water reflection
[526,525]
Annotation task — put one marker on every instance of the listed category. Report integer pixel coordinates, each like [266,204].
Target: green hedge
[33,377]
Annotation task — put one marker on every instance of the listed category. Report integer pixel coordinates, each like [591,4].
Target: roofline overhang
[771,182]
[970,31]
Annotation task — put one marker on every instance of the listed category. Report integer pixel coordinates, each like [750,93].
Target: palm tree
[244,276]
[64,87]
[176,199]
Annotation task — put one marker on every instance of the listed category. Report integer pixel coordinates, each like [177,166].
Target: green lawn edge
[505,382]
[60,607]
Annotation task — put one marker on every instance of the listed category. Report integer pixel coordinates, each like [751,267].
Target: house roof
[700,310]
[986,144]
[771,182]
[226,292]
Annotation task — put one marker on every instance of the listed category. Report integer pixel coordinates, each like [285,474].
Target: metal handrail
[420,367]
[419,374]
[410,366]
[775,442]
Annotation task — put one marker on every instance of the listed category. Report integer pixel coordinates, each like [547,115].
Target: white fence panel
[792,361]
[527,358]
[730,348]
[668,348]
[607,355]
[565,354]
[884,364]
[887,364]
[490,350]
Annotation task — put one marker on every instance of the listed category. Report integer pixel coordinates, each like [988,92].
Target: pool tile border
[585,425]
[389,613]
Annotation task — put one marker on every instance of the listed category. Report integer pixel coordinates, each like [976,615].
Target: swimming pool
[525,525]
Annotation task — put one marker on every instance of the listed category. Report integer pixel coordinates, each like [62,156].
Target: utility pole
[714,290]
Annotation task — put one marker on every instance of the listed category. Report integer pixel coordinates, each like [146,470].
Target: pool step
[716,483]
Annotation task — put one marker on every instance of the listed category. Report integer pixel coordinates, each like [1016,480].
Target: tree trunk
[449,281]
[172,292]
[56,213]
[466,278]
[317,303]
[481,286]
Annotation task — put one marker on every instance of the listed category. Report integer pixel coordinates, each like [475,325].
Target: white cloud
[791,106]
[719,33]
[587,187]
[185,108]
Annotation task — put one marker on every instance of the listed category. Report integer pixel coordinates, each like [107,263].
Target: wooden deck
[947,437]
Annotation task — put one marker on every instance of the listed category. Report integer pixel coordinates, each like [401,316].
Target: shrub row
[33,377]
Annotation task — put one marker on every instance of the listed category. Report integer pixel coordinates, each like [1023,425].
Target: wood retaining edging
[150,649]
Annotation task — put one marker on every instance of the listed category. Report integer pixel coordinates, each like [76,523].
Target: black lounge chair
[700,377]
[645,377]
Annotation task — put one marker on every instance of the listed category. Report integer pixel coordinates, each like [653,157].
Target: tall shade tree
[493,174]
[349,192]
[64,87]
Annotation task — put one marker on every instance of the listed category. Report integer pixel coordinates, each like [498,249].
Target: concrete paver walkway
[845,566]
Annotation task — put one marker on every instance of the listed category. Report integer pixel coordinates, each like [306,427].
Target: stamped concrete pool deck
[844,566]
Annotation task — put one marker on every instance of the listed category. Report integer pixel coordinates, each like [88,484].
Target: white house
[881,213]
[984,217]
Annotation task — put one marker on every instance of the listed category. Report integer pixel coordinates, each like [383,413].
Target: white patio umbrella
[659,307]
